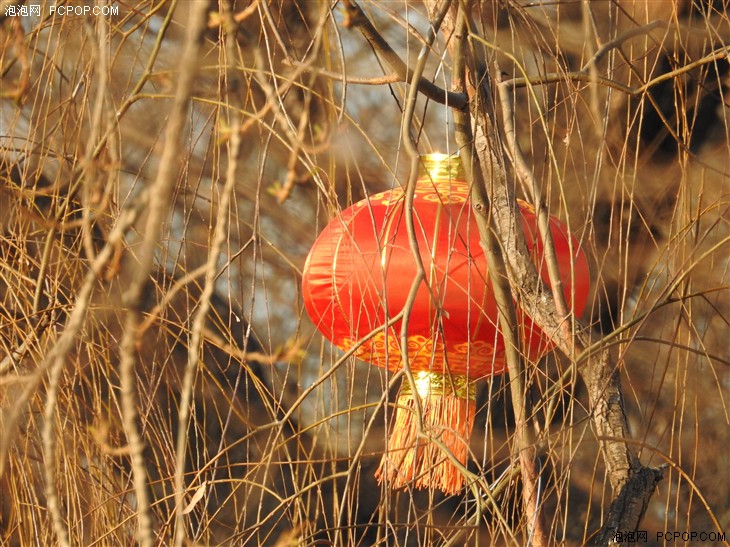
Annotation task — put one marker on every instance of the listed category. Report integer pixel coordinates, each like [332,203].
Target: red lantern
[358,276]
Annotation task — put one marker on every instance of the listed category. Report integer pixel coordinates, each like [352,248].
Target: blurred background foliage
[621,110]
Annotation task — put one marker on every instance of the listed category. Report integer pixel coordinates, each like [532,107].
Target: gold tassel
[448,407]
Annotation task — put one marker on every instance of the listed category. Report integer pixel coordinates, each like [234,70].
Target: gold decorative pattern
[434,384]
[476,358]
[444,192]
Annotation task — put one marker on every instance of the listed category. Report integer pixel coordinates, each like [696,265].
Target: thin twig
[160,198]
[148,71]
[392,78]
[584,76]
[196,332]
[273,26]
[15,355]
[498,275]
[601,376]
[619,40]
[55,361]
[411,147]
[543,218]
[356,18]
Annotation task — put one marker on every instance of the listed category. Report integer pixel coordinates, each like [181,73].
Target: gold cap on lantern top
[442,167]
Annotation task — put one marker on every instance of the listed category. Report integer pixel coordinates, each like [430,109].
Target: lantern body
[360,270]
[358,277]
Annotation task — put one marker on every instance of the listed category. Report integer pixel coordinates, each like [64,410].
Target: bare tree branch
[159,206]
[357,19]
[601,375]
[499,280]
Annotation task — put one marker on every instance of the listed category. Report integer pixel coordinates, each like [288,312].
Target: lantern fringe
[448,415]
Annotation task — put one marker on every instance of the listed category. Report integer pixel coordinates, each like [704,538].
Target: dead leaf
[199,493]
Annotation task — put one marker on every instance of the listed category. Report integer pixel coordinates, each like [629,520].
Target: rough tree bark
[493,197]
[632,484]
